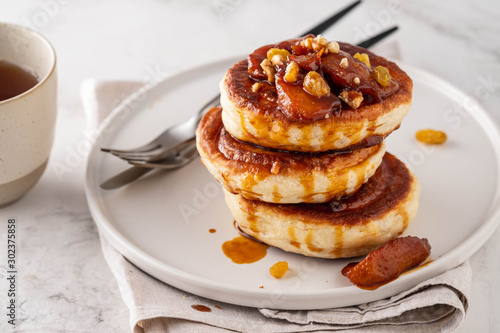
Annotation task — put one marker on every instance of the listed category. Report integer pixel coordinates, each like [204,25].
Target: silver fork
[161,147]
[181,156]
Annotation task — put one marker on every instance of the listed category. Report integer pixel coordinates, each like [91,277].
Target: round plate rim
[295,299]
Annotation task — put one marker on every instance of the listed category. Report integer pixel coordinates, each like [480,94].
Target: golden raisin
[279,269]
[364,58]
[316,85]
[280,52]
[382,75]
[431,136]
[292,70]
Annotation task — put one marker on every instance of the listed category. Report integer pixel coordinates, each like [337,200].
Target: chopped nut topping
[279,269]
[351,98]
[430,136]
[292,70]
[316,85]
[316,47]
[256,86]
[382,75]
[321,40]
[333,47]
[319,43]
[277,60]
[344,63]
[356,80]
[269,69]
[307,42]
[364,58]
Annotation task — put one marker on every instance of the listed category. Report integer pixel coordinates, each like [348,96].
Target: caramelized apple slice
[343,77]
[388,262]
[299,105]
[254,61]
[309,62]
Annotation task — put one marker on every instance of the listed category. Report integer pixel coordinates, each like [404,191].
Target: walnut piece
[307,42]
[352,98]
[292,71]
[316,85]
[256,86]
[269,69]
[277,60]
[344,63]
[319,44]
[333,47]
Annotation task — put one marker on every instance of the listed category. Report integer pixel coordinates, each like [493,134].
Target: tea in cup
[28,109]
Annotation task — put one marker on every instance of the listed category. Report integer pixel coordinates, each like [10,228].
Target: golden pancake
[281,176]
[282,115]
[378,212]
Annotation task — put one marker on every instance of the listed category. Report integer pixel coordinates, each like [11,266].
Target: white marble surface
[64,284]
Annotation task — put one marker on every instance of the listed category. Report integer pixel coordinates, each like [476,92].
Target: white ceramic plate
[161,223]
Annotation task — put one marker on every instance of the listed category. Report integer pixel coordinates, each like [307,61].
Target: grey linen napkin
[437,305]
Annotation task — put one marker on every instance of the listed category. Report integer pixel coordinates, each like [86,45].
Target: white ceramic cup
[27,121]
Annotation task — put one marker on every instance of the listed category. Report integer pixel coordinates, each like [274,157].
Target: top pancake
[256,116]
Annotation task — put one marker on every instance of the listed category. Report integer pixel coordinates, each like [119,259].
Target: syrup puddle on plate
[243,250]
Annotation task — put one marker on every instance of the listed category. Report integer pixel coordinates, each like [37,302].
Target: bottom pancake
[378,212]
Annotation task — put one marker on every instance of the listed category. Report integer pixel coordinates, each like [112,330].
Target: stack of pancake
[298,146]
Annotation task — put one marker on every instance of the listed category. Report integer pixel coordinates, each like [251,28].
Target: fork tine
[147,147]
[141,156]
[152,151]
[138,155]
[185,155]
[161,153]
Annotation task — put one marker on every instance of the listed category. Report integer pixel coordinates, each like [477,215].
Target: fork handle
[321,27]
